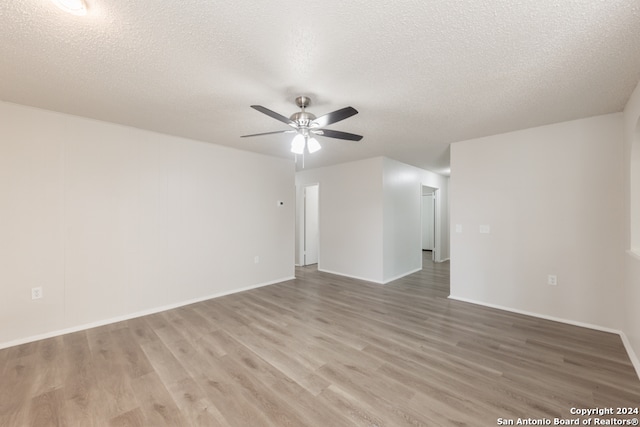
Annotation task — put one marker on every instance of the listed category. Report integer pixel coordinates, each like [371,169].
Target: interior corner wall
[631,296]
[113,221]
[369,215]
[350,217]
[402,190]
[553,199]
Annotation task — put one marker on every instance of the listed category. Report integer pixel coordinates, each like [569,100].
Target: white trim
[627,344]
[444,260]
[538,315]
[402,275]
[350,276]
[371,280]
[134,315]
[632,354]
[634,254]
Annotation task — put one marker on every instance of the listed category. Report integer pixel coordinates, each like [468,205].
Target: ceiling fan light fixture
[297,145]
[313,145]
[75,7]
[306,125]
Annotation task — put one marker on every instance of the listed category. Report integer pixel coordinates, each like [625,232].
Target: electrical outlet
[36,293]
[256,259]
[485,229]
[552,279]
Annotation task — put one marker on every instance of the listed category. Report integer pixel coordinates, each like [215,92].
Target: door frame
[304,224]
[437,232]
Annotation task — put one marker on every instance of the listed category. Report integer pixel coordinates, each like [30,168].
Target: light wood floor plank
[16,388]
[156,403]
[357,412]
[205,366]
[133,418]
[116,393]
[194,404]
[82,395]
[47,410]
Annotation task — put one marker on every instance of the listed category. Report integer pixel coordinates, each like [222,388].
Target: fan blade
[337,134]
[273,114]
[268,133]
[334,117]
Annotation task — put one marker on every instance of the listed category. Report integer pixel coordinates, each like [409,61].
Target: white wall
[350,217]
[114,221]
[631,294]
[370,217]
[553,198]
[402,189]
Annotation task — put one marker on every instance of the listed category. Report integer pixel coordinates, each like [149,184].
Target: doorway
[429,221]
[310,249]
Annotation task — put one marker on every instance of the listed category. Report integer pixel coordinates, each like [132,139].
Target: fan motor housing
[302,118]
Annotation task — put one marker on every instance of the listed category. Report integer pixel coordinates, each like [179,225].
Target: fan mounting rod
[303,101]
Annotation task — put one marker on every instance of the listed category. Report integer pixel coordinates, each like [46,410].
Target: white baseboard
[402,275]
[371,280]
[627,344]
[633,253]
[632,354]
[134,315]
[366,279]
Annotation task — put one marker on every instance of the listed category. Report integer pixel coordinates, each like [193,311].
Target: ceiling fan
[305,125]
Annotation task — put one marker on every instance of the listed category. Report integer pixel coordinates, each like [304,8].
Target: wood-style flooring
[321,350]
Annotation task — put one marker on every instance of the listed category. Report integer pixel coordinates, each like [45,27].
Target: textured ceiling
[422,73]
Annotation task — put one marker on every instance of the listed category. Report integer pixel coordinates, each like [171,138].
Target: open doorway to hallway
[428,221]
[311,225]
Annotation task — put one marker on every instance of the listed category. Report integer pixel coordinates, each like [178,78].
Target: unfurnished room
[296,213]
